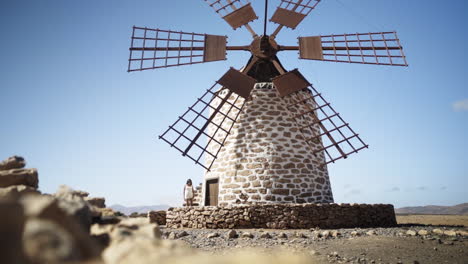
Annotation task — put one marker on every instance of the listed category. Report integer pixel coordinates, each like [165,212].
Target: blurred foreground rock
[158,217]
[51,225]
[12,177]
[17,190]
[74,204]
[15,180]
[11,230]
[99,202]
[14,162]
[71,227]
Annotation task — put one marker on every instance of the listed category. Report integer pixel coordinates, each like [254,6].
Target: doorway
[211,192]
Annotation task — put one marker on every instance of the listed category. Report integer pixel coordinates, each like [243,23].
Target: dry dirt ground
[443,220]
[370,245]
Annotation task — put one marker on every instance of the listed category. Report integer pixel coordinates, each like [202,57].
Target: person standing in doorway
[188,193]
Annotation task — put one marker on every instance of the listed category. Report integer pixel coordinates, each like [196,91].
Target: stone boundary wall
[283,216]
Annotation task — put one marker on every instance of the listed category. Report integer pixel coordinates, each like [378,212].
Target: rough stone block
[12,177]
[14,162]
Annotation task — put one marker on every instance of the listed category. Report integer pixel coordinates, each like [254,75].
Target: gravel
[219,239]
[407,244]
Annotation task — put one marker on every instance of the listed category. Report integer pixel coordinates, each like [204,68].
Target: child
[188,193]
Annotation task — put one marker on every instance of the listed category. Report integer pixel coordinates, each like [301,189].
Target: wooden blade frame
[289,83]
[156,48]
[185,134]
[238,82]
[381,48]
[323,128]
[290,13]
[236,13]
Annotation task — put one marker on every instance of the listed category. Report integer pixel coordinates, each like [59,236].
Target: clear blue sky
[71,109]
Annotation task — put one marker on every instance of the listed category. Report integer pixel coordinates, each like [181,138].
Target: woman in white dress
[188,193]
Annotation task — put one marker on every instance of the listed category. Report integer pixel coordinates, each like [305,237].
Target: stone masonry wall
[265,159]
[197,195]
[291,216]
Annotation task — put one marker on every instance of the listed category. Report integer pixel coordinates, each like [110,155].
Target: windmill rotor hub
[264,47]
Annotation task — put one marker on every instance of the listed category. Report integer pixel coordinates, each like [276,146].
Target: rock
[335,233]
[438,231]
[65,191]
[158,217]
[107,212]
[108,220]
[96,214]
[355,233]
[97,229]
[136,215]
[45,241]
[12,177]
[423,232]
[212,235]
[231,234]
[136,240]
[371,233]
[12,222]
[450,233]
[247,235]
[411,233]
[182,234]
[14,162]
[72,202]
[136,227]
[326,234]
[282,235]
[316,234]
[103,240]
[47,208]
[265,235]
[172,236]
[301,235]
[17,190]
[99,202]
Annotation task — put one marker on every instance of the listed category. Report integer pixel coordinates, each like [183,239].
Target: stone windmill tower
[263,134]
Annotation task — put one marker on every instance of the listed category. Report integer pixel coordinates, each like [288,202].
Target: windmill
[223,129]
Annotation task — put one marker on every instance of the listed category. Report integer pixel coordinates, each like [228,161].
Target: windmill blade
[322,127]
[236,13]
[157,48]
[381,48]
[290,13]
[212,116]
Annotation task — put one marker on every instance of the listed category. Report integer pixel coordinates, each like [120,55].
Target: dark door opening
[211,192]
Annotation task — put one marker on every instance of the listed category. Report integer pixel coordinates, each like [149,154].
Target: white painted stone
[265,158]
